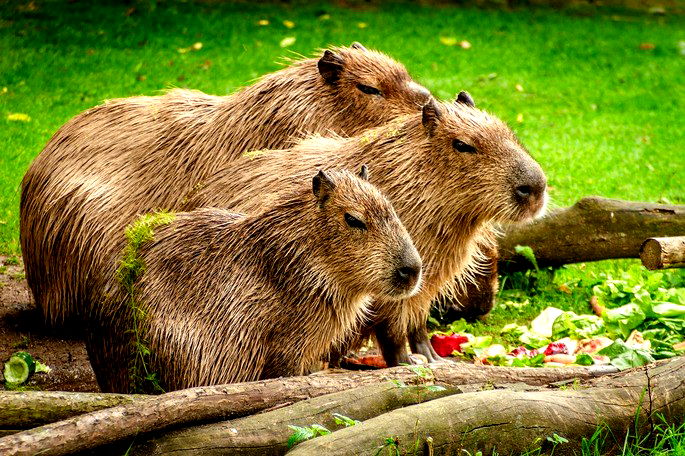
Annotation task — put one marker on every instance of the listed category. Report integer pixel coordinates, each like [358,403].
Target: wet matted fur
[132,155]
[229,298]
[449,171]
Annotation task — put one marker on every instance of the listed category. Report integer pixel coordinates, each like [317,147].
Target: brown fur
[445,198]
[231,298]
[132,155]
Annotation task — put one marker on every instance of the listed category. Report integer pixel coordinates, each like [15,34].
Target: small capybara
[133,155]
[449,171]
[230,298]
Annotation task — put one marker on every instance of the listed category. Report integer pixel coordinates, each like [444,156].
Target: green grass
[602,115]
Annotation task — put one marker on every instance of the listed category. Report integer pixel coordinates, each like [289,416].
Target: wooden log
[267,433]
[26,409]
[663,252]
[512,422]
[592,229]
[222,402]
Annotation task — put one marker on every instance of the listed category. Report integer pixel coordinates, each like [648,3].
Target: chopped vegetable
[542,324]
[555,348]
[446,344]
[21,366]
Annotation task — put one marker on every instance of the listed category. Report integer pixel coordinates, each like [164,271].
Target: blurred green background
[596,95]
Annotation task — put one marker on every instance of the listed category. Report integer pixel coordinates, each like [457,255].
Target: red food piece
[522,352]
[444,345]
[555,348]
[376,361]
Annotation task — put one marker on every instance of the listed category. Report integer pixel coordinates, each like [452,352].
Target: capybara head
[365,242]
[370,84]
[483,162]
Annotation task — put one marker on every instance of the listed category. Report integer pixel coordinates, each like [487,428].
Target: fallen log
[663,252]
[267,433]
[512,422]
[228,401]
[592,229]
[26,409]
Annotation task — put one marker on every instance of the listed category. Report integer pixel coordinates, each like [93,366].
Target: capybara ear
[465,98]
[322,186]
[431,116]
[357,45]
[364,173]
[330,65]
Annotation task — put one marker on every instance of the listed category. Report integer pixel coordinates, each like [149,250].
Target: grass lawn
[603,116]
[598,99]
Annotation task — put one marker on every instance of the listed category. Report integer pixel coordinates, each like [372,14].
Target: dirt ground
[22,329]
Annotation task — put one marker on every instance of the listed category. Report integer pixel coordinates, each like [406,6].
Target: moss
[252,154]
[130,270]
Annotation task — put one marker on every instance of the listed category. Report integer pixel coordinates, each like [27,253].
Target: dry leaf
[518,87]
[287,41]
[207,65]
[564,288]
[362,25]
[647,46]
[324,17]
[448,40]
[197,46]
[263,22]
[18,117]
[289,24]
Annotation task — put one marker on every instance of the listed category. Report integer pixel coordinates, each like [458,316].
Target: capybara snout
[407,276]
[529,188]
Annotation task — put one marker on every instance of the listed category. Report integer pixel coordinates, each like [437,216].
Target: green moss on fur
[129,272]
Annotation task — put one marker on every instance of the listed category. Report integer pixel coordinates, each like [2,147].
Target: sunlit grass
[602,115]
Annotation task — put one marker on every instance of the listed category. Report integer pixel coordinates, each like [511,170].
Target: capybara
[230,298]
[129,156]
[450,171]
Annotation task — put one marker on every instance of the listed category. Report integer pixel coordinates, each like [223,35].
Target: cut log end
[663,252]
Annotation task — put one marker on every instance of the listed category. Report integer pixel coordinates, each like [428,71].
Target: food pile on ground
[634,322]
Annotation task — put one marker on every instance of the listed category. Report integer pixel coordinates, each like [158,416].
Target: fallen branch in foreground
[592,229]
[512,422]
[663,252]
[222,402]
[268,433]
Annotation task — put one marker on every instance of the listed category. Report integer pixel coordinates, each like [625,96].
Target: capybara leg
[393,346]
[419,343]
[105,350]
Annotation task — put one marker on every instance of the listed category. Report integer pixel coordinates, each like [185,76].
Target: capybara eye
[354,222]
[461,146]
[368,89]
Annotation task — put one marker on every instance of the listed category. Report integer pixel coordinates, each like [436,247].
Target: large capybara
[228,298]
[133,155]
[450,171]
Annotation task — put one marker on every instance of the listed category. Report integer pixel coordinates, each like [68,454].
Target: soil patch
[22,328]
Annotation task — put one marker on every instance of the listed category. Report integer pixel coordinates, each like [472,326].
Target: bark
[513,422]
[590,230]
[267,433]
[222,402]
[663,252]
[33,408]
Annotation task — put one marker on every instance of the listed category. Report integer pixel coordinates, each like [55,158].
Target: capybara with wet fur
[132,155]
[449,171]
[230,298]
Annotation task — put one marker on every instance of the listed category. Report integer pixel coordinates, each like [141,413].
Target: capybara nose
[523,191]
[530,188]
[408,274]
